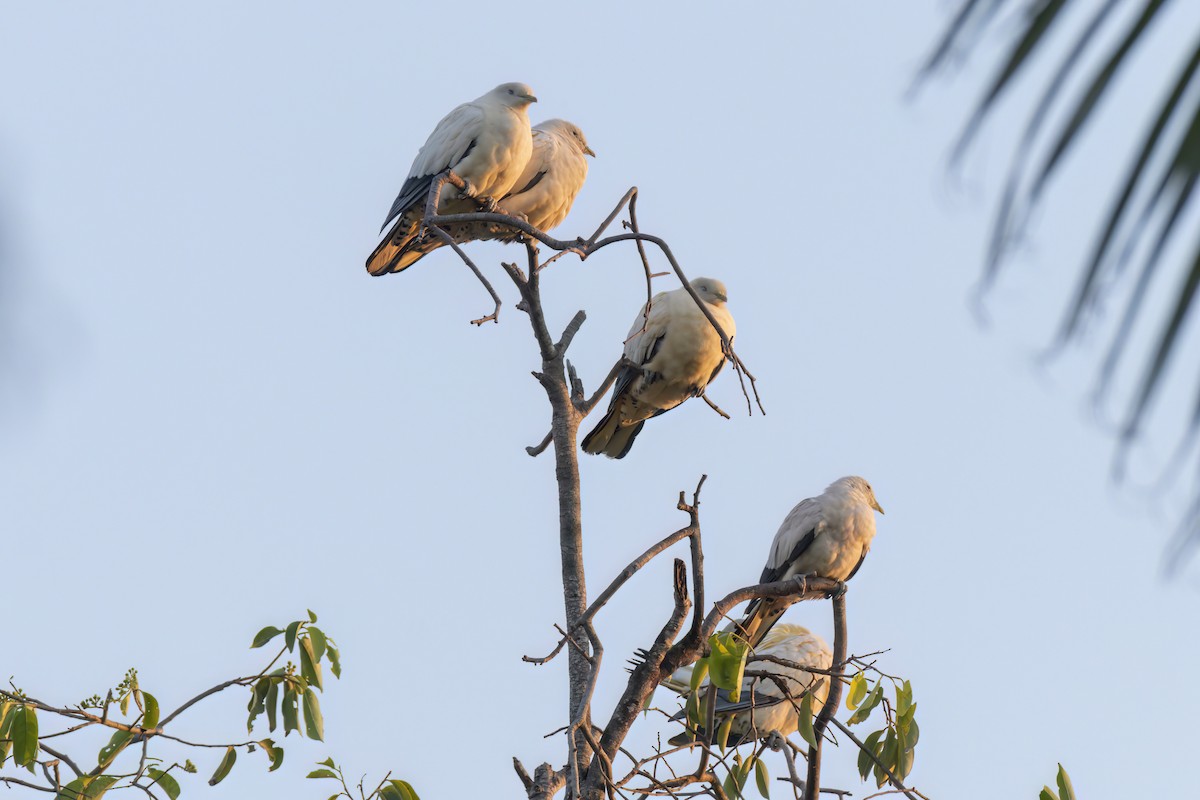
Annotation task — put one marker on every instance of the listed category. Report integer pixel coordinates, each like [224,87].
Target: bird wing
[648,331]
[797,533]
[450,142]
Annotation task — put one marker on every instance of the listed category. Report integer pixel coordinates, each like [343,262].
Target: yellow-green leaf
[309,666]
[150,717]
[98,786]
[699,672]
[903,697]
[723,732]
[1065,790]
[805,721]
[761,778]
[73,790]
[322,773]
[864,711]
[727,662]
[313,721]
[23,730]
[335,663]
[6,718]
[858,690]
[166,781]
[1047,794]
[115,745]
[273,752]
[223,768]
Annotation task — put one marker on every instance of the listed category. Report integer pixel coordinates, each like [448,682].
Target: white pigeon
[487,142]
[827,536]
[763,707]
[677,353]
[543,194]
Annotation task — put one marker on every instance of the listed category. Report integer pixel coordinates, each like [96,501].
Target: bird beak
[589,151]
[530,98]
[875,505]
[721,297]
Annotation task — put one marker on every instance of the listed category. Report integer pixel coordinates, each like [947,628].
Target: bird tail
[761,615]
[400,249]
[610,437]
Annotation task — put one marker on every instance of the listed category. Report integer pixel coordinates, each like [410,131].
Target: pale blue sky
[220,420]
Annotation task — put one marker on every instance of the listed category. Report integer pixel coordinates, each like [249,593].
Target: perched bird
[487,142]
[828,536]
[763,706]
[543,194]
[677,353]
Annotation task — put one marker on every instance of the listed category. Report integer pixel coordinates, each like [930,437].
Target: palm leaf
[1147,196]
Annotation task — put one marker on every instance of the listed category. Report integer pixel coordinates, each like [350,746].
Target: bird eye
[510,91]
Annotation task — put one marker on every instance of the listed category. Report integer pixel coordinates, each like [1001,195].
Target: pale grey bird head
[569,131]
[515,95]
[711,291]
[857,487]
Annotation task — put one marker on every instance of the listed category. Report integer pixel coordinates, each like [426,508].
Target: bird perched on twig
[675,353]
[763,705]
[487,142]
[828,536]
[543,194]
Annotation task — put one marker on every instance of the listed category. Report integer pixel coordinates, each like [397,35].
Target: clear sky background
[214,419]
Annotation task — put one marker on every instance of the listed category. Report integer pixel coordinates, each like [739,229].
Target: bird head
[516,95]
[569,131]
[711,291]
[852,484]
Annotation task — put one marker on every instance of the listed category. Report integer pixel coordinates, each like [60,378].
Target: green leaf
[125,704]
[335,663]
[322,773]
[151,715]
[805,720]
[1047,794]
[311,616]
[265,635]
[98,786]
[313,720]
[272,704]
[318,643]
[166,781]
[273,752]
[328,763]
[888,756]
[223,768]
[761,778]
[699,673]
[110,751]
[291,709]
[870,748]
[398,790]
[310,668]
[727,662]
[73,790]
[24,734]
[1065,790]
[858,690]
[258,701]
[730,786]
[290,638]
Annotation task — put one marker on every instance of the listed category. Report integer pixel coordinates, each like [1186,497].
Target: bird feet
[468,190]
[488,204]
